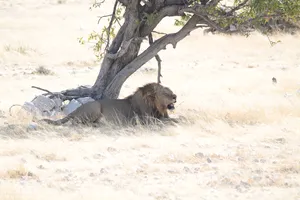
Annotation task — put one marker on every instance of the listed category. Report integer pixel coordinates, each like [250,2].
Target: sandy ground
[242,140]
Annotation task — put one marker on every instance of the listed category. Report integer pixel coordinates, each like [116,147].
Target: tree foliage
[238,16]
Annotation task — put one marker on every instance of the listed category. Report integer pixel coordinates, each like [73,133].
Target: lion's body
[150,100]
[113,110]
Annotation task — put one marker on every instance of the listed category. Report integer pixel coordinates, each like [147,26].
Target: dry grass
[21,49]
[41,70]
[239,140]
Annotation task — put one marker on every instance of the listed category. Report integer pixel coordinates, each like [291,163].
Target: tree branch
[164,12]
[101,17]
[200,11]
[160,33]
[70,94]
[148,54]
[117,41]
[113,15]
[157,59]
[42,89]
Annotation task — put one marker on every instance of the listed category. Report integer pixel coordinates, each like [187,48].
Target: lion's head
[154,99]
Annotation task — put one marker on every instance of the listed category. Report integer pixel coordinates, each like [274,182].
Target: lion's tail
[57,122]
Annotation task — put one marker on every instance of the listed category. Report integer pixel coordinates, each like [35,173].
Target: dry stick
[113,15]
[61,96]
[49,92]
[157,59]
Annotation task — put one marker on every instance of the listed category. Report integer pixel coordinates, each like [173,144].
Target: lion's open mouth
[171,106]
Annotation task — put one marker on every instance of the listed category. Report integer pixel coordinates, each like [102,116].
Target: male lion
[152,100]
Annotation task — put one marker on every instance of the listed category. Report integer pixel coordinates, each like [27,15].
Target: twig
[118,22]
[53,94]
[157,32]
[157,59]
[100,17]
[110,24]
[49,92]
[98,4]
[272,43]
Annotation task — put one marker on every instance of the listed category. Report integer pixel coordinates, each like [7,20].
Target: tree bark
[123,50]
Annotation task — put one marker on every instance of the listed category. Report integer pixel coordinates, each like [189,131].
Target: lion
[151,101]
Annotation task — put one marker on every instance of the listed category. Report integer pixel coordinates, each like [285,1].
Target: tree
[137,20]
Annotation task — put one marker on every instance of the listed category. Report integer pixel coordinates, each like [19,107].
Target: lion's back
[116,109]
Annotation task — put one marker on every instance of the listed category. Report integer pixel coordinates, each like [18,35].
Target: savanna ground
[242,140]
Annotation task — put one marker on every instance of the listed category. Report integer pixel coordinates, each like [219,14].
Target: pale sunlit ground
[242,140]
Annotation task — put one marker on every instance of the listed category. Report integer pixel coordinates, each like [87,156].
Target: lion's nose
[174,97]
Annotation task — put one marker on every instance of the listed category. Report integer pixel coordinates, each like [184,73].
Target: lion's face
[166,98]
[154,99]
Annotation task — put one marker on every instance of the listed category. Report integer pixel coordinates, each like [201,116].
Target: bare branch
[161,33]
[100,17]
[70,94]
[48,92]
[118,21]
[110,24]
[157,59]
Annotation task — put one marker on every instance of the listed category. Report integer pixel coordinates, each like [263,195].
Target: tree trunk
[124,48]
[110,68]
